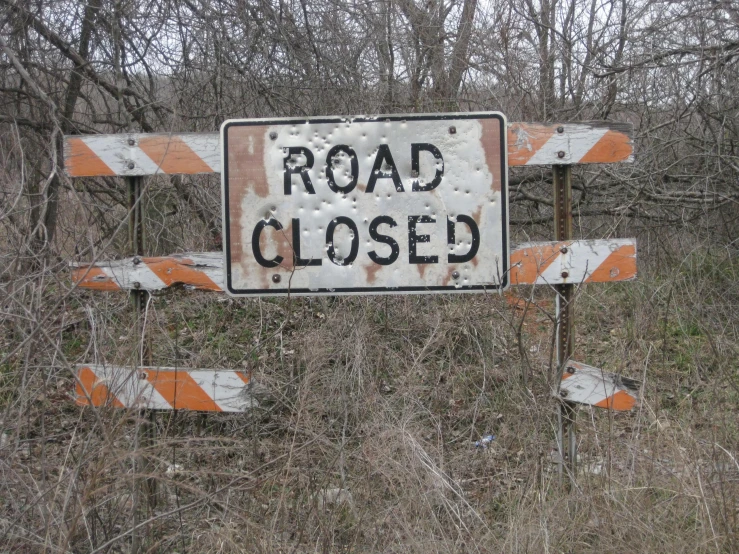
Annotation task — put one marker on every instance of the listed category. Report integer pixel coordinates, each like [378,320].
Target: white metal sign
[387,204]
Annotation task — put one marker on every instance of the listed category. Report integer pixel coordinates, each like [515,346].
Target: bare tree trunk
[460,53]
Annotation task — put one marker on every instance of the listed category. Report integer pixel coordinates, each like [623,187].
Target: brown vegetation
[370,406]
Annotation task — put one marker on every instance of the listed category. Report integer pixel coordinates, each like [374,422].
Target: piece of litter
[484,441]
[174,469]
[334,497]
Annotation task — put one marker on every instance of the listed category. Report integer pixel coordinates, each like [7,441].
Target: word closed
[393,204]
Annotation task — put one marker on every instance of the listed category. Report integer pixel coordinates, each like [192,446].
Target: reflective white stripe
[584,257]
[573,142]
[127,385]
[126,277]
[215,275]
[207,147]
[111,274]
[111,151]
[552,274]
[586,388]
[226,389]
[143,164]
[591,385]
[117,154]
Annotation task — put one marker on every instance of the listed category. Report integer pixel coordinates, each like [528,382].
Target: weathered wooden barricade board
[164,388]
[538,263]
[561,263]
[141,154]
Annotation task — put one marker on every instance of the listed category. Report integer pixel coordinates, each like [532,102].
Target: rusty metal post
[136,233]
[567,439]
[139,299]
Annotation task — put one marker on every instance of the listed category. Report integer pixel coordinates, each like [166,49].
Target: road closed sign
[365,205]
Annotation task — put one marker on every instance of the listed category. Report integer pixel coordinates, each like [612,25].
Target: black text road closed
[388,204]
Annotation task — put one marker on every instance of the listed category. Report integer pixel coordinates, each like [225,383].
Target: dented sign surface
[387,204]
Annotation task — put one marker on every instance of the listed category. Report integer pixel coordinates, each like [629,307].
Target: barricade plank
[164,388]
[590,385]
[192,153]
[540,263]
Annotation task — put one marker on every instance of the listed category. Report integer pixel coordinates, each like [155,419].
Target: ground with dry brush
[369,410]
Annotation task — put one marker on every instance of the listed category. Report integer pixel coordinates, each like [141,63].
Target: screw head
[276,278]
[131,165]
[561,154]
[563,393]
[455,274]
[563,250]
[132,142]
[273,135]
[136,285]
[565,274]
[142,375]
[571,369]
[452,130]
[136,260]
[560,129]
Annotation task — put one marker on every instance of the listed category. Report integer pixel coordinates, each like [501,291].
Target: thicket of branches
[383,397]
[106,67]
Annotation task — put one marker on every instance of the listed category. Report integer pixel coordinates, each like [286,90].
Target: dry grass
[364,440]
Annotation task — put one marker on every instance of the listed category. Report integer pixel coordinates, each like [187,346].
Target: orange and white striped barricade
[137,154]
[536,263]
[590,385]
[164,388]
[129,155]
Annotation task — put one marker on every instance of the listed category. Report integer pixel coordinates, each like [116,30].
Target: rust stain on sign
[491,146]
[245,155]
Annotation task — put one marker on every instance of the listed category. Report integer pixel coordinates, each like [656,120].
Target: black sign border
[362,119]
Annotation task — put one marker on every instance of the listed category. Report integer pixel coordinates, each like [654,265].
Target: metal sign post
[565,316]
[145,424]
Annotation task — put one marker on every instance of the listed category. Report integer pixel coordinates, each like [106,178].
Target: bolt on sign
[365,205]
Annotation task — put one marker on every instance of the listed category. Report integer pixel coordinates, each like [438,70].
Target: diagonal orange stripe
[81,161]
[174,272]
[93,278]
[243,376]
[621,402]
[612,147]
[620,265]
[181,391]
[525,140]
[533,261]
[173,155]
[98,392]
